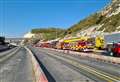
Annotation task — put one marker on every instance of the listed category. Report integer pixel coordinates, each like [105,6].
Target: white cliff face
[28,35]
[91,31]
[116,11]
[112,9]
[118,29]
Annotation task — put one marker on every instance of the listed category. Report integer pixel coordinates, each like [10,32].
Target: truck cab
[116,49]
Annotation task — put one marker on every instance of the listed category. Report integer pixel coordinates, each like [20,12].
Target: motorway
[15,66]
[63,67]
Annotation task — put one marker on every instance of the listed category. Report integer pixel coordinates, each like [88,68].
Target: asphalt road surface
[73,68]
[15,66]
[3,48]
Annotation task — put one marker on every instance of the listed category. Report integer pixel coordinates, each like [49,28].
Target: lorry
[116,50]
[112,44]
[4,45]
[2,40]
[84,43]
[77,44]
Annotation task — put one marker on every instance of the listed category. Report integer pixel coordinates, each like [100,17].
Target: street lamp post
[56,33]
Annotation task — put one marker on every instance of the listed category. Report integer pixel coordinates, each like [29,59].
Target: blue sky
[17,17]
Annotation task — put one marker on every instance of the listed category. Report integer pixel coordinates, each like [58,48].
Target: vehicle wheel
[100,48]
[111,53]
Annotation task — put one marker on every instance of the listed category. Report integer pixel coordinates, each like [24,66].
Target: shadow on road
[48,75]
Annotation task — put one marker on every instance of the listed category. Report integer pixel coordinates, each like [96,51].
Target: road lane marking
[9,55]
[86,68]
[70,58]
[89,70]
[96,69]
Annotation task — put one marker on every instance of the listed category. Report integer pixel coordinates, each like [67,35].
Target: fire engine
[112,44]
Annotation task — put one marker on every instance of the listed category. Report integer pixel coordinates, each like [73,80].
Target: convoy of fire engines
[110,43]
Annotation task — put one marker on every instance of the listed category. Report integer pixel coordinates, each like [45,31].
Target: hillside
[107,20]
[47,33]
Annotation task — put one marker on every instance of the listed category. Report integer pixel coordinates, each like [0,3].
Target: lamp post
[56,33]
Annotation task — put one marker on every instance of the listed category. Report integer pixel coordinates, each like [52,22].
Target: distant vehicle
[45,45]
[109,42]
[2,40]
[3,45]
[59,45]
[77,44]
[99,42]
[112,44]
[114,49]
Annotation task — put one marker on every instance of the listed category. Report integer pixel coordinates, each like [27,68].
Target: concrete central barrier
[39,75]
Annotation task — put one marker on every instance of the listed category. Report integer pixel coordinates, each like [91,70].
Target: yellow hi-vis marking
[88,69]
